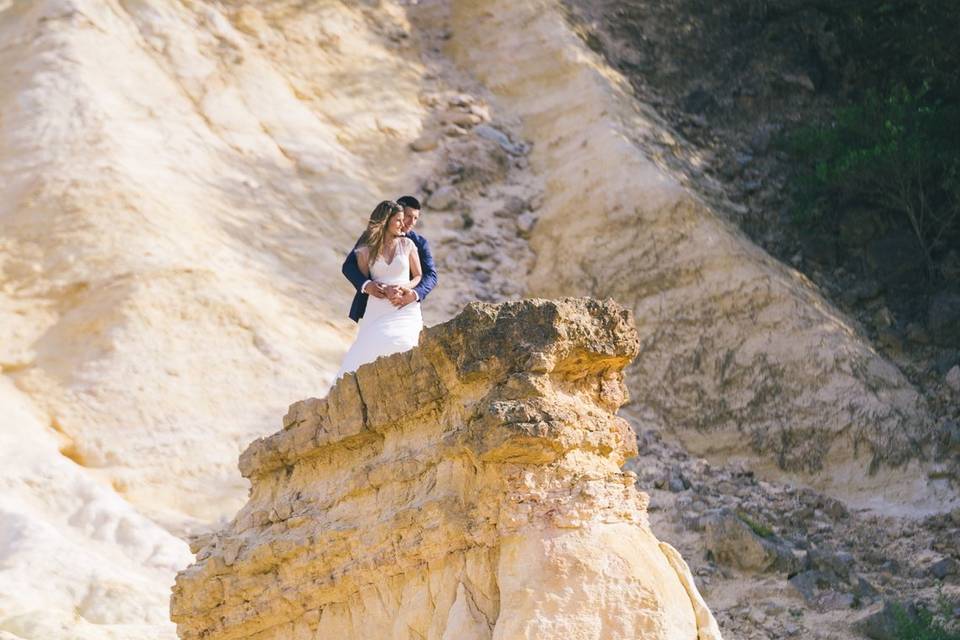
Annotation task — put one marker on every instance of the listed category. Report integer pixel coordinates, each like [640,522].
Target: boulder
[945,567]
[884,622]
[838,563]
[492,133]
[953,378]
[732,542]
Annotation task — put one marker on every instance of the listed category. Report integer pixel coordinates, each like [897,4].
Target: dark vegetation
[923,624]
[892,143]
[829,131]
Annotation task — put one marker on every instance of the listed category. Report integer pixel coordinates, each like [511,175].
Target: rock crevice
[469,488]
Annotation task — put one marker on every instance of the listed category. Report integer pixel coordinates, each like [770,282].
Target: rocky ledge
[470,488]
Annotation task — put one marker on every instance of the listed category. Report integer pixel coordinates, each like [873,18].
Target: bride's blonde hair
[376,233]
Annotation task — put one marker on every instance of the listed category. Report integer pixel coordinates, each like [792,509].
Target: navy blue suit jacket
[428,279]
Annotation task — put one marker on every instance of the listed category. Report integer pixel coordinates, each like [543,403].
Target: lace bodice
[397,271]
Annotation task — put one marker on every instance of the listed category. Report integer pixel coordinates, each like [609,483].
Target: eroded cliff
[470,488]
[740,355]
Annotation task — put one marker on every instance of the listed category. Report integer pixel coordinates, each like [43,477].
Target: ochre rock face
[467,489]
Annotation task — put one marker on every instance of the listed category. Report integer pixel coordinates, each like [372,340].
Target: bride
[389,258]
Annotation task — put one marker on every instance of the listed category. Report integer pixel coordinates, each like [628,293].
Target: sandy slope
[176,195]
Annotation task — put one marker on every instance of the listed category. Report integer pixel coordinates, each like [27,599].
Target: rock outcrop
[470,488]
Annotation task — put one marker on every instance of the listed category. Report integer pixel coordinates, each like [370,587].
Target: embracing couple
[392,270]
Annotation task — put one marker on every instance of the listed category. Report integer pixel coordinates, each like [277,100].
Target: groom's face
[410,217]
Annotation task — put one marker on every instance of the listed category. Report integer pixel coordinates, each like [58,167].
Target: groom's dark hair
[408,201]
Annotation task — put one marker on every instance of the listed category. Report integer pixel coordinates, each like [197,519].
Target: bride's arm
[415,271]
[363,260]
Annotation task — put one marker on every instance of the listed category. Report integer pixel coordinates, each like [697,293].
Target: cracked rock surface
[479,495]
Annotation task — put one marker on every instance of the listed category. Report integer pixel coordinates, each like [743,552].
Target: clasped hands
[397,294]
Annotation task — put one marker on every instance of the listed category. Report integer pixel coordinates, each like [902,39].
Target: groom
[399,296]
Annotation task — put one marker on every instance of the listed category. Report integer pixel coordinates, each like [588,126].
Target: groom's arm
[429,278]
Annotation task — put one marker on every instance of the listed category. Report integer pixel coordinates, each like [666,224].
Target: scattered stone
[811,582]
[492,133]
[943,568]
[834,508]
[429,99]
[461,119]
[525,224]
[512,207]
[757,617]
[461,100]
[454,131]
[676,481]
[883,318]
[443,198]
[883,623]
[732,542]
[675,484]
[835,600]
[481,110]
[864,590]
[666,139]
[837,562]
[801,80]
[953,378]
[199,541]
[429,185]
[951,438]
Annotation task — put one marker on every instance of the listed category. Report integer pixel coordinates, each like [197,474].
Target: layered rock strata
[470,489]
[740,356]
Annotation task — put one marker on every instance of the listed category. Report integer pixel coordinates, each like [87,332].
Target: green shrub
[923,625]
[896,152]
[760,529]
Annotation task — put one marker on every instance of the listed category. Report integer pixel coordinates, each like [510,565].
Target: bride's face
[395,224]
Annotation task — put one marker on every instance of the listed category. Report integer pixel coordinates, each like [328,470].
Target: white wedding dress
[384,329]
